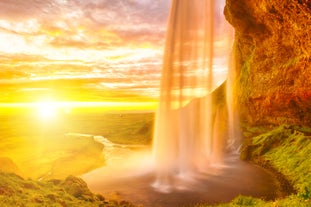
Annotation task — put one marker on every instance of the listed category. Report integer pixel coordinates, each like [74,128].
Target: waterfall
[190,128]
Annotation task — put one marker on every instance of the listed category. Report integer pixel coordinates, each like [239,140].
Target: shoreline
[286,188]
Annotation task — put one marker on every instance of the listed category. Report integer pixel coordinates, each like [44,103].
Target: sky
[81,50]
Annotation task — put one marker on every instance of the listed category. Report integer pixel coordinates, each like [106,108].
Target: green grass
[287,149]
[121,128]
[126,128]
[46,158]
[39,148]
[16,191]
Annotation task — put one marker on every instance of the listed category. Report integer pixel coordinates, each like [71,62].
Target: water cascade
[190,131]
[195,138]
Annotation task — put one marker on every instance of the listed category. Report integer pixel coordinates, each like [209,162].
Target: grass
[121,128]
[40,148]
[46,159]
[287,150]
[70,192]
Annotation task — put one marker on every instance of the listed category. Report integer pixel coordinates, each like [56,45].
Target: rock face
[272,60]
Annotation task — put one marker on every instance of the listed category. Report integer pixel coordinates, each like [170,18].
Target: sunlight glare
[47,110]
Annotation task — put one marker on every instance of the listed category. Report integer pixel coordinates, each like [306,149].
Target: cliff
[272,86]
[272,60]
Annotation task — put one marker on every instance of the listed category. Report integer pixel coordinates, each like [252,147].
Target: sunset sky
[81,50]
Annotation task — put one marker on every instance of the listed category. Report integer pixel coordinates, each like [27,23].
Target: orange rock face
[273,60]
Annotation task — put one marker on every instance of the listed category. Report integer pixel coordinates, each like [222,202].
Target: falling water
[195,124]
[190,131]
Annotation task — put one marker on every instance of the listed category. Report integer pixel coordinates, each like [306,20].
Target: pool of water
[131,178]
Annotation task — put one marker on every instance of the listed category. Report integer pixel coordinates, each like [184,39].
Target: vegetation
[32,156]
[121,128]
[286,150]
[71,192]
[40,148]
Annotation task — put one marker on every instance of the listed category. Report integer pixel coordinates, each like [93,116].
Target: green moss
[287,149]
[16,191]
[243,79]
[290,201]
[77,188]
[251,131]
[244,201]
[292,159]
[241,201]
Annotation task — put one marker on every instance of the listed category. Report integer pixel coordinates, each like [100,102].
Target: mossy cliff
[272,60]
[284,150]
[272,92]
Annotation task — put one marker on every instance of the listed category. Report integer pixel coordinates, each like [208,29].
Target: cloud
[132,19]
[16,10]
[110,44]
[87,23]
[107,12]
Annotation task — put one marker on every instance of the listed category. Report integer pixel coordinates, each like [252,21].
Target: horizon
[85,51]
[49,109]
[81,51]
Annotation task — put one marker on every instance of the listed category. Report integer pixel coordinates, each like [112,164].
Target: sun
[47,110]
